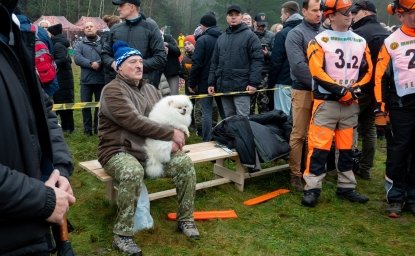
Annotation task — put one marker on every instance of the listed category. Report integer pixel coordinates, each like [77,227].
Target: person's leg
[228,106]
[301,113]
[67,122]
[398,153]
[320,136]
[242,104]
[181,169]
[129,173]
[97,95]
[282,98]
[206,104]
[86,96]
[367,130]
[173,84]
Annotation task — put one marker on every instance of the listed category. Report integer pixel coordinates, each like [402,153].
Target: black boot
[351,195]
[310,197]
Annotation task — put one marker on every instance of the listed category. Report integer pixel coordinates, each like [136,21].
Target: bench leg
[237,176]
[111,193]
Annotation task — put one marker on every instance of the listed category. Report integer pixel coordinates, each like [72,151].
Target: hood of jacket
[296,19]
[364,20]
[60,39]
[213,31]
[237,29]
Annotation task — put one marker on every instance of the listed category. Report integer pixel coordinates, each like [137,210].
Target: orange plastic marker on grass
[266,197]
[207,215]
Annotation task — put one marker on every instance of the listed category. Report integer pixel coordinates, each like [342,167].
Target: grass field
[278,227]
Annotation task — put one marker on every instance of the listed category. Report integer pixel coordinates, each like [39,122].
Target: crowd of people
[331,67]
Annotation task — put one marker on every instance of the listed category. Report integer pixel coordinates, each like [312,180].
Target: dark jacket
[172,67]
[237,60]
[25,153]
[205,45]
[266,38]
[279,72]
[87,52]
[297,43]
[144,36]
[108,71]
[370,29]
[65,93]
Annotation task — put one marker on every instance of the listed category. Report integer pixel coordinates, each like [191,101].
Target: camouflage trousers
[260,99]
[129,174]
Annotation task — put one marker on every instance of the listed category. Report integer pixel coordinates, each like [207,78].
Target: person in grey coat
[88,57]
[236,64]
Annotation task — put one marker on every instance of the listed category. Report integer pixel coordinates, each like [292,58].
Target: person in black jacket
[367,26]
[140,33]
[172,68]
[236,64]
[279,72]
[199,74]
[30,147]
[65,93]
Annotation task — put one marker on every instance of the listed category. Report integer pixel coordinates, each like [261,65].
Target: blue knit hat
[123,52]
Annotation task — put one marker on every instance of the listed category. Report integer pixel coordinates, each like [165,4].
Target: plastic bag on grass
[142,217]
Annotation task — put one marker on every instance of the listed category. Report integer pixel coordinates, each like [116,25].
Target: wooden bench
[199,153]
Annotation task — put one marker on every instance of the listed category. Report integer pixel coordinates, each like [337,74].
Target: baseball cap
[261,19]
[120,2]
[363,5]
[234,7]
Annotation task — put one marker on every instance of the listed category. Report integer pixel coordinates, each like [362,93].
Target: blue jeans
[87,91]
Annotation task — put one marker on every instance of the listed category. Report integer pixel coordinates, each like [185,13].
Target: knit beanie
[123,52]
[55,29]
[191,39]
[208,20]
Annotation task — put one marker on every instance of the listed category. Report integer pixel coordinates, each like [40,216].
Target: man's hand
[63,183]
[63,199]
[95,65]
[178,138]
[250,89]
[211,90]
[349,97]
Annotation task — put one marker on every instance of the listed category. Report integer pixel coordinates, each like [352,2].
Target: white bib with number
[401,48]
[343,54]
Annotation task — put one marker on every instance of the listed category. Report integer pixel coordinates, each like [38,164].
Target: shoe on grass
[126,245]
[296,183]
[394,210]
[188,228]
[409,207]
[310,198]
[351,195]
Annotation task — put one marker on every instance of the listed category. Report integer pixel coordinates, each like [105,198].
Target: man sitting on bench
[123,127]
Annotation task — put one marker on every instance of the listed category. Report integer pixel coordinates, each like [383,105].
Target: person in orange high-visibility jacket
[340,63]
[395,92]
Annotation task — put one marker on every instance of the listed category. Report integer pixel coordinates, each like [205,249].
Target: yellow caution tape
[81,105]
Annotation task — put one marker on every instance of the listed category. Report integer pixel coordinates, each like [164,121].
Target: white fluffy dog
[173,110]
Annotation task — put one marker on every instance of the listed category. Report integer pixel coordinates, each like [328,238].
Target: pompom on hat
[122,52]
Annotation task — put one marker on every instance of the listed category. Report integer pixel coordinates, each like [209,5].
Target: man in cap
[123,127]
[236,64]
[395,87]
[340,64]
[139,33]
[262,99]
[367,26]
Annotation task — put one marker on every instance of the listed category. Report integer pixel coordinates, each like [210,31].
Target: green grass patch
[278,227]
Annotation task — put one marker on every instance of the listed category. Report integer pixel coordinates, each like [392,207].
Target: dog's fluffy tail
[154,168]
